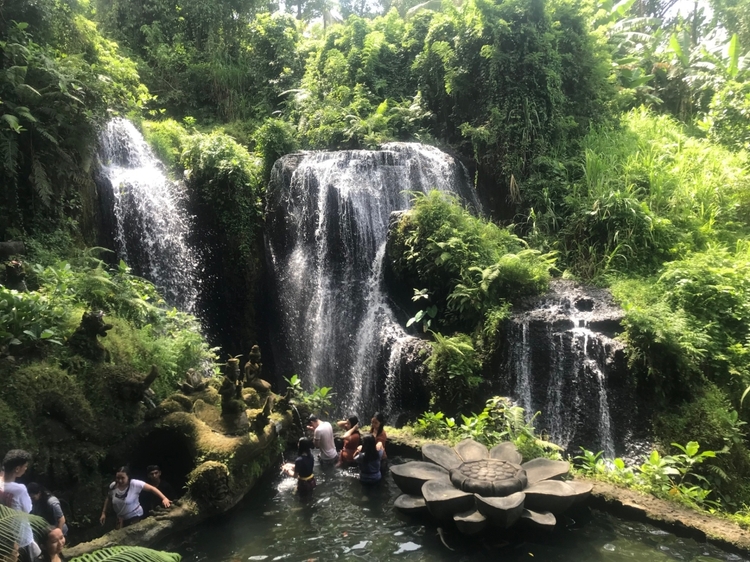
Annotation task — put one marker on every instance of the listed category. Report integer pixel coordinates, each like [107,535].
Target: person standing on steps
[323,440]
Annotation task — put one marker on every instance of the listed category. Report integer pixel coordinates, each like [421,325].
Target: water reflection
[348,521]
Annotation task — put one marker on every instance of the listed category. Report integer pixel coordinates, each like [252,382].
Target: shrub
[468,265]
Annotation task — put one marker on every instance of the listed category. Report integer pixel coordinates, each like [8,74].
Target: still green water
[348,521]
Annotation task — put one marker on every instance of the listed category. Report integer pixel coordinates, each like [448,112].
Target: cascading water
[562,361]
[151,225]
[327,221]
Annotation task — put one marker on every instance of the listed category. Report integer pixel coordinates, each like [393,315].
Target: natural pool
[347,521]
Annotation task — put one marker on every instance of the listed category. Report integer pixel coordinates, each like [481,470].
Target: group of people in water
[365,451]
[131,500]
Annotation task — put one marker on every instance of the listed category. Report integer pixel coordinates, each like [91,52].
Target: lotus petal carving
[479,488]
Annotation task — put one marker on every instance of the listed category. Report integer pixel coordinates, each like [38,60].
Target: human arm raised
[154,490]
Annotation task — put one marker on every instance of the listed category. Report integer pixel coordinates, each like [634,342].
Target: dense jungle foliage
[607,140]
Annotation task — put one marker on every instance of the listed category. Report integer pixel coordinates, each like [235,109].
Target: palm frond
[12,525]
[128,554]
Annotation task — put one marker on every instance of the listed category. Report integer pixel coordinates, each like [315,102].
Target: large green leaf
[11,522]
[128,554]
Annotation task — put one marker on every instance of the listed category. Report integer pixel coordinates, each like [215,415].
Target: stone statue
[231,388]
[253,365]
[252,372]
[194,382]
[15,276]
[84,341]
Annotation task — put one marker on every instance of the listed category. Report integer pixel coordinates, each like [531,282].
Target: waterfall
[151,224]
[561,361]
[327,221]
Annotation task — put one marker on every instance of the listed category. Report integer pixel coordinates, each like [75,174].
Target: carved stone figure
[15,276]
[84,341]
[194,382]
[231,389]
[252,372]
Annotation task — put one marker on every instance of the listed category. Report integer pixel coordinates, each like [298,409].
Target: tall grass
[642,193]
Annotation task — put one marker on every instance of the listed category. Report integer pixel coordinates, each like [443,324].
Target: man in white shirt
[15,463]
[323,440]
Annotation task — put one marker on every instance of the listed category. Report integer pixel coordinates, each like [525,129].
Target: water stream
[347,521]
[151,225]
[327,221]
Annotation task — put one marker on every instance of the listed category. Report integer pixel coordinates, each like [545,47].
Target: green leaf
[734,56]
[692,448]
[128,554]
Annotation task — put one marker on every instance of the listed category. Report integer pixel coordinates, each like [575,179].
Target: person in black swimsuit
[302,469]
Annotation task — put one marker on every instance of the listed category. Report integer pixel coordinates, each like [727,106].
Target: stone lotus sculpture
[478,488]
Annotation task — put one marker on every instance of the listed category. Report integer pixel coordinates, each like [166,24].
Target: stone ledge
[670,516]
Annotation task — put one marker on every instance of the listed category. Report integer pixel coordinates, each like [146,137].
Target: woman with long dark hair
[45,505]
[368,457]
[302,469]
[52,546]
[377,430]
[352,439]
[123,493]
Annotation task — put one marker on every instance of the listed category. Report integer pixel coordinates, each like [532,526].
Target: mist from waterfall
[327,222]
[151,223]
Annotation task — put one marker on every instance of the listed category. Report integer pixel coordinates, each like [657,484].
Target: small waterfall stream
[561,360]
[327,221]
[151,224]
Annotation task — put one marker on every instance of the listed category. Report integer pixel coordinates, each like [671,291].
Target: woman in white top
[123,493]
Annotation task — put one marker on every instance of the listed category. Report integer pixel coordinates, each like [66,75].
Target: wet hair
[378,416]
[304,446]
[353,420]
[369,448]
[15,458]
[312,418]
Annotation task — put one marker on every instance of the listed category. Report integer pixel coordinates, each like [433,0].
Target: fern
[40,180]
[11,523]
[128,554]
